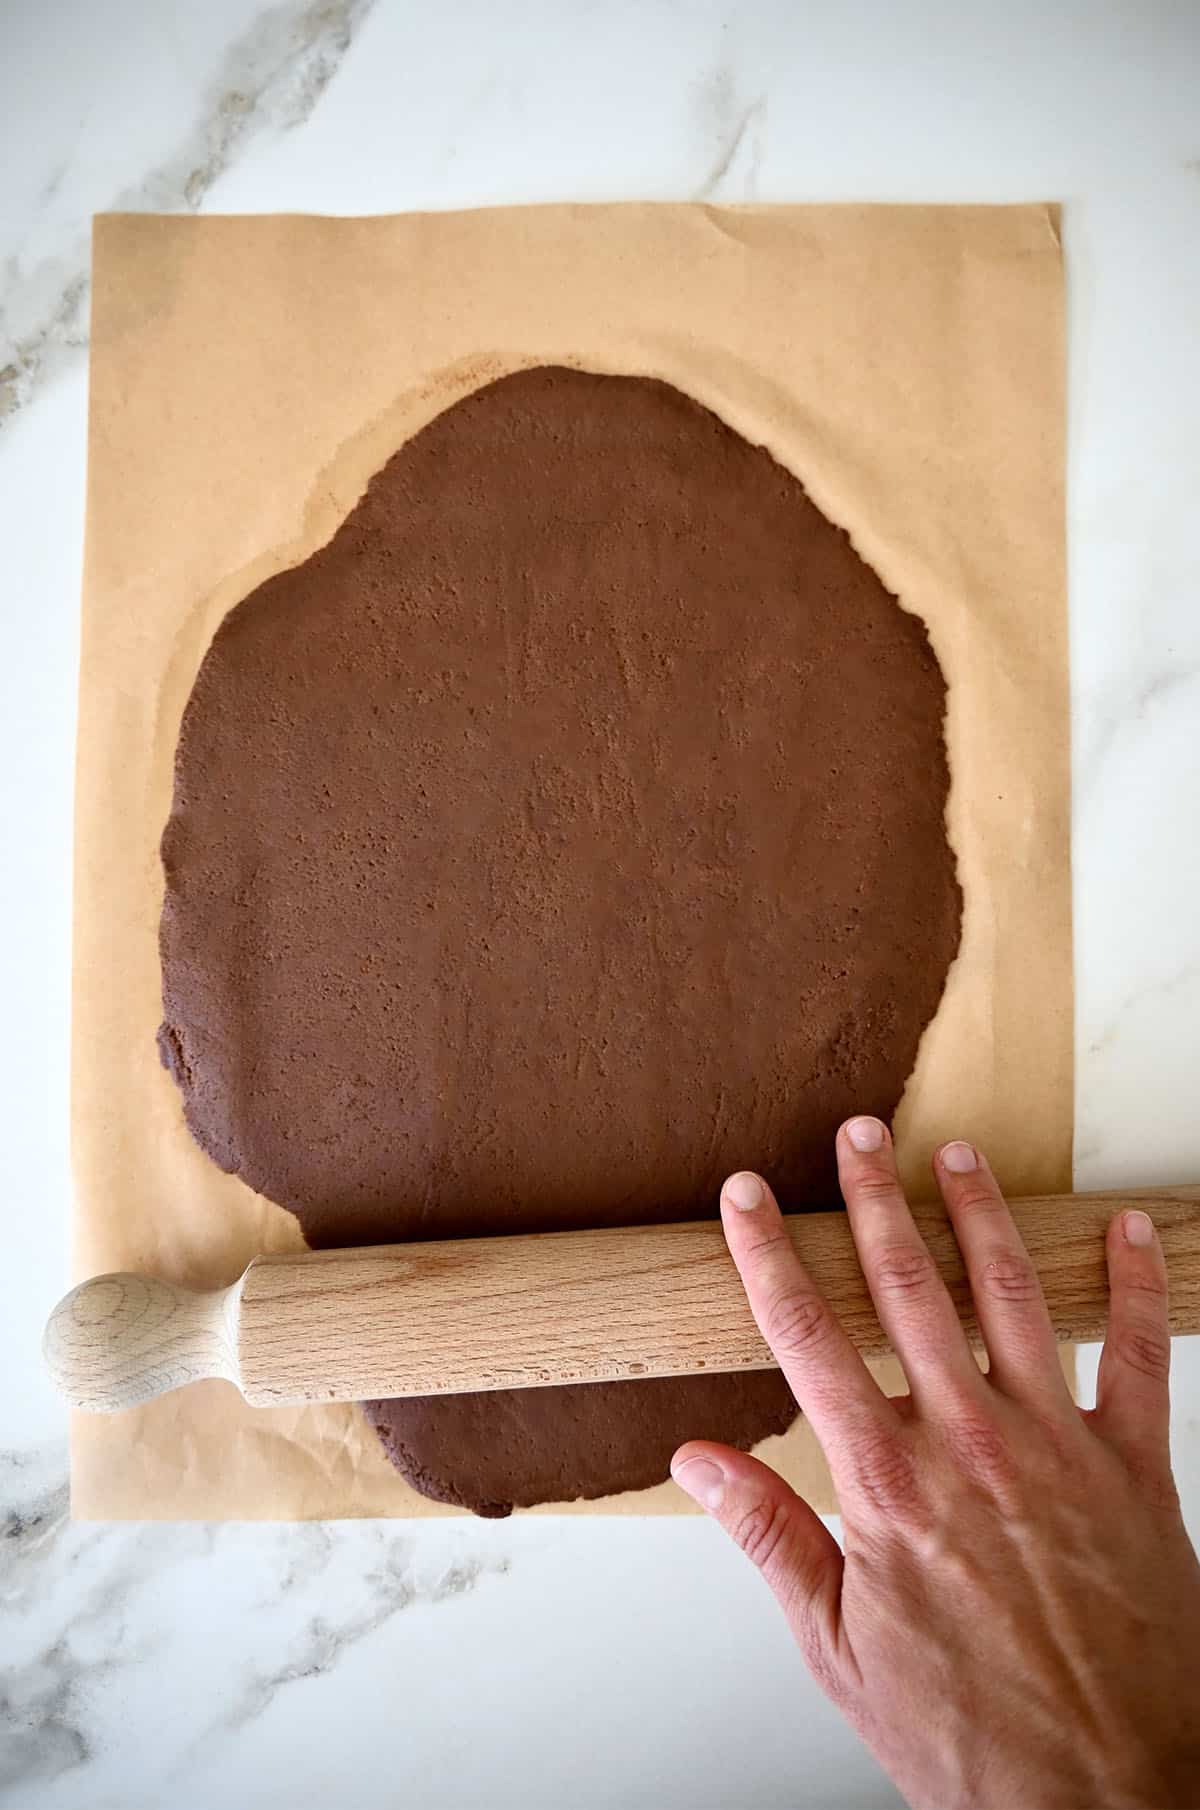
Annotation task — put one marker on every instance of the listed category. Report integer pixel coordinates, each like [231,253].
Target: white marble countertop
[583,1662]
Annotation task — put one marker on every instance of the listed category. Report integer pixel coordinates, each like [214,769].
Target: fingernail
[703,1480]
[865,1134]
[1138,1229]
[744,1191]
[959,1158]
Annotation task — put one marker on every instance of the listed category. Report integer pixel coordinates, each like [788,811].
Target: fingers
[1009,1303]
[778,1532]
[1132,1395]
[914,1307]
[828,1378]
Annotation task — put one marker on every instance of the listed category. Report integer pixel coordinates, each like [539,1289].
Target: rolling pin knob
[117,1340]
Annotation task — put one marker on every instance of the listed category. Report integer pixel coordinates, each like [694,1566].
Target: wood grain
[121,1339]
[523,1312]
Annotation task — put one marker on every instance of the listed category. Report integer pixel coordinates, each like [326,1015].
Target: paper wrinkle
[907,363]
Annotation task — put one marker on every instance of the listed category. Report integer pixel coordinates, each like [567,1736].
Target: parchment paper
[249,375]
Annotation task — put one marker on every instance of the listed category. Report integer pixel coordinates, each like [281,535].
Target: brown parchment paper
[248,375]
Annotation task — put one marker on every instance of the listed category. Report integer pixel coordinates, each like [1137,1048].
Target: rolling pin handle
[118,1340]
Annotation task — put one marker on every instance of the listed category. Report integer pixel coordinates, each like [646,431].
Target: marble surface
[543,1663]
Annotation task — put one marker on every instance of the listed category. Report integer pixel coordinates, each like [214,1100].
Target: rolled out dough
[565,833]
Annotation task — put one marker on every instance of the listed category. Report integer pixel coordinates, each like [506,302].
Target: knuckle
[975,1201]
[1010,1276]
[795,1321]
[758,1531]
[1059,1437]
[979,1446]
[878,1185]
[762,1246]
[1145,1350]
[1147,1284]
[904,1269]
[884,1472]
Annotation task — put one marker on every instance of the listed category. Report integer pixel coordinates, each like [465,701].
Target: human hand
[1015,1623]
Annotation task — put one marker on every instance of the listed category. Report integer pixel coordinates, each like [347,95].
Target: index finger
[833,1386]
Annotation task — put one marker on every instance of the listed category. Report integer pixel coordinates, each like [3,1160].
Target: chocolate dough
[566,833]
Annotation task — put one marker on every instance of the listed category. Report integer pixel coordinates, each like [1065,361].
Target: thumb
[778,1531]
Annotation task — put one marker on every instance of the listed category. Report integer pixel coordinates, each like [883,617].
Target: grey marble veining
[88,1612]
[735,126]
[269,80]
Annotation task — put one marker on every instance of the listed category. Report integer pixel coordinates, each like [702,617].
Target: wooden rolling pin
[566,1307]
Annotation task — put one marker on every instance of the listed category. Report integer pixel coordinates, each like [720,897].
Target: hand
[1015,1624]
